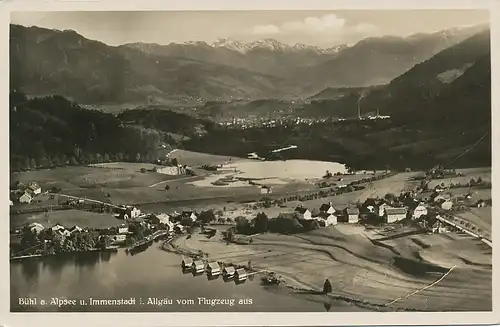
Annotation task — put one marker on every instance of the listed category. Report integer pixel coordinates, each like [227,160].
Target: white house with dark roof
[352,214]
[36,227]
[419,211]
[328,219]
[34,188]
[25,198]
[395,214]
[327,208]
[304,212]
[75,229]
[58,227]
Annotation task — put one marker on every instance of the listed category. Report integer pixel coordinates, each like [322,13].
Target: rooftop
[396,211]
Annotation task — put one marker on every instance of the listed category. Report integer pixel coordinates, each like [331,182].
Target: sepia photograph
[250,161]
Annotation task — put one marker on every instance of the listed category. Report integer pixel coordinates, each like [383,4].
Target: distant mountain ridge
[92,72]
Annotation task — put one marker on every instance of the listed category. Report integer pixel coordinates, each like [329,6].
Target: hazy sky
[323,28]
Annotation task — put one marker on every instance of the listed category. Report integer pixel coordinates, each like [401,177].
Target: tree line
[53,131]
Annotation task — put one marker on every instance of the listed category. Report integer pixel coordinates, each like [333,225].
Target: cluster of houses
[117,234]
[213,269]
[175,221]
[25,193]
[328,215]
[379,208]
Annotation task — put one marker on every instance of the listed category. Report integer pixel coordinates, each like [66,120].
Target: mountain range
[92,72]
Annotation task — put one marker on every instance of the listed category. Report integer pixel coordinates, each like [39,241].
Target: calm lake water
[150,274]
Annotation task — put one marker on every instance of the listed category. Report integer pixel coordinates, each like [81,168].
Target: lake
[274,172]
[152,273]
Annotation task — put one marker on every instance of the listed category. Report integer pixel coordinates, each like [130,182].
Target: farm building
[351,214]
[36,227]
[57,227]
[240,274]
[328,219]
[446,205]
[327,208]
[25,198]
[228,271]
[189,214]
[130,212]
[419,211]
[75,229]
[198,266]
[122,229]
[187,263]
[395,214]
[34,188]
[304,212]
[480,204]
[266,189]
[213,269]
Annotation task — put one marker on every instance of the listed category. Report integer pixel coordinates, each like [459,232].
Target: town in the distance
[250,177]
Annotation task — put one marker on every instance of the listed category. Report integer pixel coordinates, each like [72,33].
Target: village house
[438,227]
[381,208]
[351,214]
[327,208]
[57,227]
[75,229]
[25,198]
[419,211]
[34,188]
[304,213]
[446,205]
[36,227]
[394,214]
[328,219]
[118,239]
[228,271]
[213,269]
[122,229]
[189,214]
[480,204]
[266,189]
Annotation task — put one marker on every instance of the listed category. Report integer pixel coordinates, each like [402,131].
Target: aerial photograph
[250,161]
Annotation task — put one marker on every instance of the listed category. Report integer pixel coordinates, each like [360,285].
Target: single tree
[327,287]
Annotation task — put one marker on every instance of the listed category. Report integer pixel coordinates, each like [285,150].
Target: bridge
[150,238]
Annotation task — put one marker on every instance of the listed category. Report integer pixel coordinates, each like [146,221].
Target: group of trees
[285,223]
[49,242]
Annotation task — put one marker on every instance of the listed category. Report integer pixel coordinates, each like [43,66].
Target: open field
[484,173]
[479,217]
[67,218]
[361,270]
[89,177]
